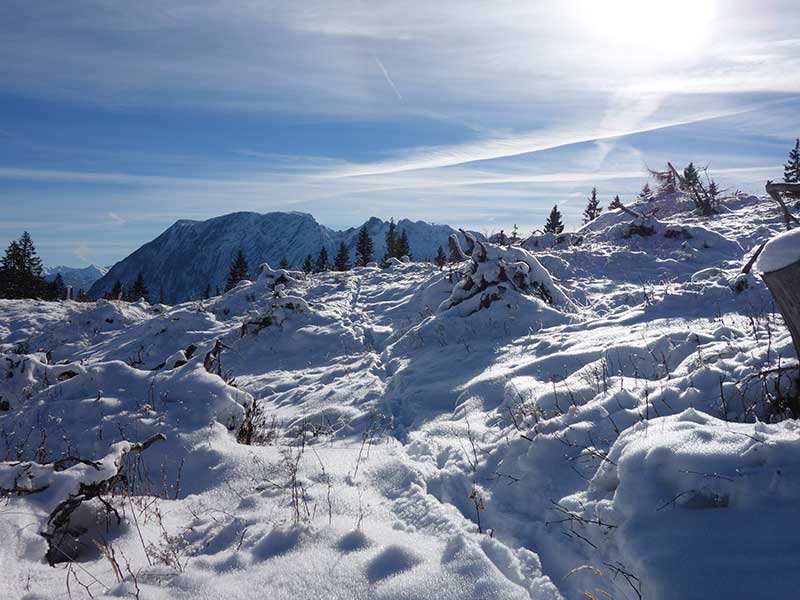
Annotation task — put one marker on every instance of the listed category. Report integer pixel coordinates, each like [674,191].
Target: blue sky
[118,118]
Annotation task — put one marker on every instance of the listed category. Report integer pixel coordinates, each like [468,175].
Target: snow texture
[629,438]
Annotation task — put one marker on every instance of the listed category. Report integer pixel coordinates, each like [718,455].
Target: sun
[650,29]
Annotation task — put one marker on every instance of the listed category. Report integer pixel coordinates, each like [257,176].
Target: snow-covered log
[495,271]
[66,484]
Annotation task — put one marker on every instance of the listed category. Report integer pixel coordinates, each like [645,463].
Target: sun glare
[651,29]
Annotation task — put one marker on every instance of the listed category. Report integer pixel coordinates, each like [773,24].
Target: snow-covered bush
[495,271]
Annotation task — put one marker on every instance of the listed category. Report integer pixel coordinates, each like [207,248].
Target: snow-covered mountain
[80,278]
[190,255]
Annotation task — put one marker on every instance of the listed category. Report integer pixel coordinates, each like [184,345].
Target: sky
[119,118]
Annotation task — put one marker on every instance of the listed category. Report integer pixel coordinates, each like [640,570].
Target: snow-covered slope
[81,278]
[608,416]
[190,255]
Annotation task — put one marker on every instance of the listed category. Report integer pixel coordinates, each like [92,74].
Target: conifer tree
[401,246]
[217,292]
[593,208]
[554,223]
[308,264]
[713,192]
[515,234]
[117,291]
[207,292]
[691,176]
[441,257]
[341,262]
[791,170]
[283,264]
[391,241]
[21,271]
[239,270]
[502,238]
[646,194]
[138,289]
[364,247]
[56,288]
[322,263]
[615,203]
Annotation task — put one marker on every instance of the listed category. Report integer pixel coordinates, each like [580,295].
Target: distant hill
[190,255]
[80,278]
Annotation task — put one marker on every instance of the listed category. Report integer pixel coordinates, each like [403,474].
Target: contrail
[386,76]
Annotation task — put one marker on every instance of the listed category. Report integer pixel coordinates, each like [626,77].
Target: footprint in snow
[390,561]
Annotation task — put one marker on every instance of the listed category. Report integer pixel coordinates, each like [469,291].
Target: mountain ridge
[189,255]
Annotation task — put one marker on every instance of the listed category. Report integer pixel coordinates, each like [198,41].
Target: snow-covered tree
[646,194]
[341,262]
[554,223]
[791,170]
[239,270]
[593,208]
[364,247]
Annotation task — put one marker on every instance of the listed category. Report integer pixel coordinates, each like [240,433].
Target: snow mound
[729,489]
[780,252]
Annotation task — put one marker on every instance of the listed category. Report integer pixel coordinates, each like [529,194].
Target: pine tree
[401,246]
[441,257]
[341,262]
[791,170]
[515,234]
[117,291]
[322,263]
[593,208]
[364,247]
[554,223]
[391,241]
[308,264]
[691,176]
[284,264]
[713,191]
[646,194]
[21,271]
[138,289]
[502,238]
[207,292]
[615,203]
[239,270]
[56,288]
[217,292]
